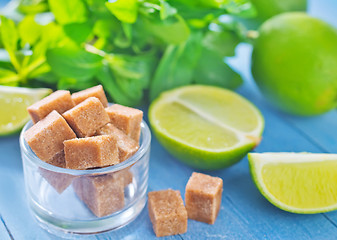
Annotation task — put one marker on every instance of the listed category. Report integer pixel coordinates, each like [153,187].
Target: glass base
[63,228]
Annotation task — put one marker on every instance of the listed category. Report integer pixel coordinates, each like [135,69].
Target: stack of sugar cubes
[80,131]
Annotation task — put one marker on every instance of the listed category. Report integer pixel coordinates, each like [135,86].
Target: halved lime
[13,104]
[296,182]
[206,127]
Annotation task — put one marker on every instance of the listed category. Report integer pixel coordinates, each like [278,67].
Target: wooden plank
[4,234]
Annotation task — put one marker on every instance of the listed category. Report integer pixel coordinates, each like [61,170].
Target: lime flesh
[297,182]
[13,104]
[205,127]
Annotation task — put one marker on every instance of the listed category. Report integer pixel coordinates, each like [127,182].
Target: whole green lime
[294,63]
[269,8]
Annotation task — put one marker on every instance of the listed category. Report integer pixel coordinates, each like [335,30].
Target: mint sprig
[135,48]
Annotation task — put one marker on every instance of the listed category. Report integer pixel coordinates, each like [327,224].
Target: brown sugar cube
[46,137]
[126,145]
[103,194]
[126,175]
[59,181]
[87,117]
[96,91]
[58,160]
[126,119]
[203,197]
[91,152]
[60,101]
[167,212]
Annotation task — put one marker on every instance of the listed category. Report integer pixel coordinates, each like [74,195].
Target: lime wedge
[296,182]
[13,104]
[205,127]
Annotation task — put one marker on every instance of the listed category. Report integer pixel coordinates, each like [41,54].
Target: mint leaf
[124,36]
[76,83]
[223,43]
[212,70]
[78,32]
[166,10]
[9,34]
[10,37]
[73,63]
[105,77]
[8,77]
[124,10]
[69,11]
[132,73]
[29,30]
[33,7]
[173,30]
[177,65]
[241,8]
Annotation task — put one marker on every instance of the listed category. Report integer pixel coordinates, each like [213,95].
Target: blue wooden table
[244,214]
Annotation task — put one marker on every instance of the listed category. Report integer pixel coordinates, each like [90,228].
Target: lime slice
[297,182]
[205,127]
[13,104]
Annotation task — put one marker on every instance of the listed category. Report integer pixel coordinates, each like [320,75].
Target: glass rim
[143,148]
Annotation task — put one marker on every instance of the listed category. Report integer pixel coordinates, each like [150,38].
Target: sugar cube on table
[46,137]
[59,101]
[91,152]
[96,91]
[126,119]
[103,195]
[87,117]
[167,212]
[203,197]
[126,145]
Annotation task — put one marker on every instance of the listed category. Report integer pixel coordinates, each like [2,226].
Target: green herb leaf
[212,70]
[73,63]
[68,11]
[223,43]
[177,65]
[124,36]
[29,30]
[8,77]
[105,77]
[203,3]
[76,83]
[241,8]
[10,39]
[132,73]
[173,30]
[33,7]
[166,10]
[124,10]
[78,32]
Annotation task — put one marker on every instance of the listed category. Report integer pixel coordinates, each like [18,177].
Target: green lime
[206,127]
[296,182]
[13,104]
[294,63]
[269,8]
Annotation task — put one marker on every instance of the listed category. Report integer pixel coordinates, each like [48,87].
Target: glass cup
[86,201]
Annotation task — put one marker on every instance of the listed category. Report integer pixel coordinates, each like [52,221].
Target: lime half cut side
[297,182]
[13,104]
[206,127]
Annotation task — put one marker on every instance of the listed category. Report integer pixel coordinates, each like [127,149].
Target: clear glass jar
[86,201]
